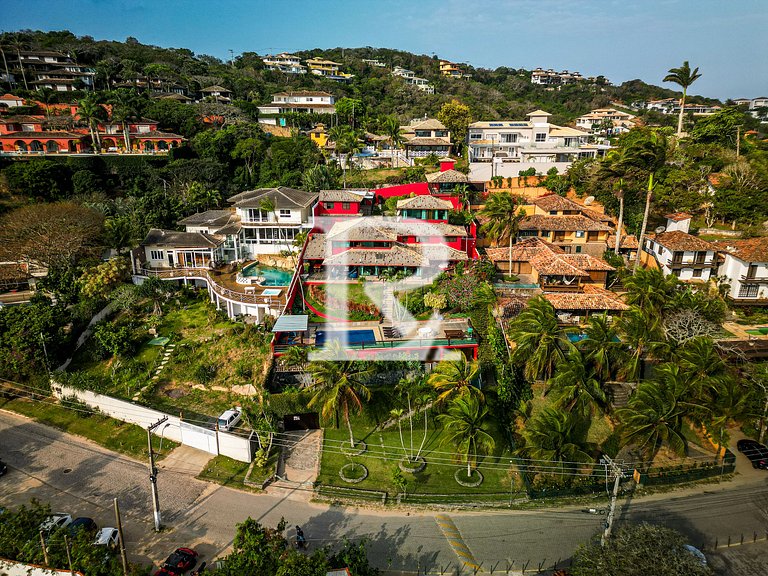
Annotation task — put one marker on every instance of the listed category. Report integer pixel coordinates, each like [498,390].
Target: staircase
[388,302]
[619,393]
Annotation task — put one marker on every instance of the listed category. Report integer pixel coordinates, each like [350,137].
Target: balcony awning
[298,323]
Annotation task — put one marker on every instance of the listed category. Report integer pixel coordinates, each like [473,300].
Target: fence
[11,568]
[208,439]
[342,493]
[679,474]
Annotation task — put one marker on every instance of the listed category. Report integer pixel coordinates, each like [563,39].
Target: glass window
[578,249]
[697,273]
[541,137]
[345,205]
[156,254]
[285,213]
[328,205]
[579,233]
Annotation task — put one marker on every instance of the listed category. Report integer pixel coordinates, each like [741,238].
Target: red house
[344,203]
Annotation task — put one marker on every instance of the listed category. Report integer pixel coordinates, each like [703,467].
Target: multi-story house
[285,63]
[327,68]
[745,269]
[217,93]
[428,208]
[533,140]
[339,204]
[49,69]
[306,101]
[606,120]
[677,252]
[672,106]
[450,69]
[411,79]
[11,101]
[426,136]
[551,78]
[374,63]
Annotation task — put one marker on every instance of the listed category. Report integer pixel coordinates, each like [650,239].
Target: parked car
[3,468]
[180,561]
[54,522]
[82,523]
[229,419]
[756,452]
[106,537]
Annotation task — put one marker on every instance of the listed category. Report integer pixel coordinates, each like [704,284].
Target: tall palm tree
[347,143]
[648,198]
[541,343]
[455,379]
[47,96]
[503,219]
[601,347]
[90,111]
[124,108]
[5,64]
[650,290]
[340,387]
[641,332]
[417,397]
[577,387]
[466,430]
[556,436]
[19,45]
[683,77]
[392,129]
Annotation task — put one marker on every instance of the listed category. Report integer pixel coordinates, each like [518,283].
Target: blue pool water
[352,336]
[272,276]
[578,337]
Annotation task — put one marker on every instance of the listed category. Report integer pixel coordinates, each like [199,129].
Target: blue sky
[621,39]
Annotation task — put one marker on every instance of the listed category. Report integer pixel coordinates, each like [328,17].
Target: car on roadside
[82,524]
[756,452]
[54,522]
[107,537]
[229,419]
[181,560]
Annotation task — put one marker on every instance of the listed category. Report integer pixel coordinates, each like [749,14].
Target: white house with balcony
[410,78]
[609,120]
[285,63]
[745,269]
[679,253]
[534,140]
[426,136]
[303,101]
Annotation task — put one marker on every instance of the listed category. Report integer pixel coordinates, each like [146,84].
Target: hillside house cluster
[291,64]
[410,78]
[426,136]
[302,101]
[551,78]
[35,69]
[608,121]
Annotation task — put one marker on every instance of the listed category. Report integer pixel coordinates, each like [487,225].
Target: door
[305,421]
[170,259]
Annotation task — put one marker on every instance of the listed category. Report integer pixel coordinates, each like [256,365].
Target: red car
[180,561]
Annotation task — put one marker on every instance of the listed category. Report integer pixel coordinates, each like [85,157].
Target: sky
[620,39]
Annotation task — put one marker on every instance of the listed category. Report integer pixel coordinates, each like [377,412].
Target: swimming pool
[272,276]
[350,336]
[577,337]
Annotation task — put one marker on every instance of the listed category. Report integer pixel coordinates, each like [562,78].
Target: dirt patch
[175,393]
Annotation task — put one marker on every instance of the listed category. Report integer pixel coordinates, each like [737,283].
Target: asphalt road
[79,477]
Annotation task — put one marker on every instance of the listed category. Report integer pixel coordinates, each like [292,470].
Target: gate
[199,437]
[305,421]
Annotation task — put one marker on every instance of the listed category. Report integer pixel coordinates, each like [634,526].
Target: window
[256,215]
[697,273]
[748,291]
[345,205]
[156,255]
[508,138]
[579,233]
[329,205]
[285,213]
[577,249]
[541,137]
[475,136]
[553,212]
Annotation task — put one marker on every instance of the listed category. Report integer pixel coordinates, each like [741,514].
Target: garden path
[300,464]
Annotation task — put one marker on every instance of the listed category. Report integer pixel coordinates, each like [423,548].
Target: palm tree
[320,177]
[47,96]
[455,379]
[340,387]
[5,64]
[19,45]
[650,290]
[347,143]
[464,194]
[601,347]
[556,436]
[466,430]
[295,356]
[540,342]
[577,386]
[392,129]
[417,399]
[648,197]
[683,77]
[89,110]
[641,332]
[653,417]
[124,108]
[503,217]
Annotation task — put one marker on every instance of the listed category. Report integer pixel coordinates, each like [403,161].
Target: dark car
[3,468]
[78,524]
[756,452]
[180,561]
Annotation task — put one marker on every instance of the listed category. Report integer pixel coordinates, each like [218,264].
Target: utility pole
[123,556]
[69,555]
[153,473]
[618,474]
[45,549]
[738,140]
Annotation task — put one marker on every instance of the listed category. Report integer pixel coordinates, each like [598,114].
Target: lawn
[112,434]
[212,360]
[350,300]
[229,472]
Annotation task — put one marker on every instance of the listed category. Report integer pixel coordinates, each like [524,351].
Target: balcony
[747,279]
[695,264]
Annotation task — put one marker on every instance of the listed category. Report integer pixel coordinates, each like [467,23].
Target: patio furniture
[425,332]
[454,334]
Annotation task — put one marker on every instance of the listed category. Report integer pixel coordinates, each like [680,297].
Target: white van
[229,419]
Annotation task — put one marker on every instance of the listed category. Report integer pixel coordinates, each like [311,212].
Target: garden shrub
[205,372]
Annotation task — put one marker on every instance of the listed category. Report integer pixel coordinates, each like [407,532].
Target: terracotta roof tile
[593,298]
[678,216]
[751,250]
[523,251]
[424,202]
[561,223]
[682,241]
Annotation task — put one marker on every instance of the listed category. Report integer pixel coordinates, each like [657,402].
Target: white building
[551,78]
[686,256]
[285,63]
[374,63]
[534,140]
[426,136]
[303,101]
[609,120]
[745,269]
[411,79]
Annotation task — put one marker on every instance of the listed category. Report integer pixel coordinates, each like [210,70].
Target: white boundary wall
[11,568]
[231,445]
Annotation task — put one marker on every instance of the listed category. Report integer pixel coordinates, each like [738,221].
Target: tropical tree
[503,219]
[455,379]
[125,107]
[295,356]
[466,430]
[601,346]
[683,77]
[648,198]
[18,44]
[391,127]
[340,387]
[320,177]
[47,96]
[541,343]
[418,398]
[556,436]
[456,118]
[347,144]
[90,111]
[641,332]
[577,387]
[650,290]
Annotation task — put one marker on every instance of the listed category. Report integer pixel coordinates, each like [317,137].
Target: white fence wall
[231,445]
[10,568]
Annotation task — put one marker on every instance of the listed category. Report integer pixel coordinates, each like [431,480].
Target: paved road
[81,478]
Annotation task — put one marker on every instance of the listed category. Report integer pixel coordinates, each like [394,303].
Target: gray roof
[380,228]
[447,176]
[426,202]
[209,218]
[298,323]
[343,195]
[173,239]
[282,197]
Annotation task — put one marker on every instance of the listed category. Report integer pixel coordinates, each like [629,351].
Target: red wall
[417,188]
[354,208]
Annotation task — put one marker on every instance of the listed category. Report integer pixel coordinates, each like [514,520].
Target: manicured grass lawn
[319,296]
[112,434]
[384,452]
[211,356]
[232,473]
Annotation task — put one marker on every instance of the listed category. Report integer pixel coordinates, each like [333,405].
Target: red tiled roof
[751,250]
[628,241]
[552,202]
[682,241]
[561,223]
[586,262]
[522,251]
[555,265]
[678,216]
[593,298]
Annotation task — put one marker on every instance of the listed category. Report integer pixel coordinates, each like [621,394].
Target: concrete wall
[10,568]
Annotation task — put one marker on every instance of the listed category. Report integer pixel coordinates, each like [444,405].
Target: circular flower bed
[412,466]
[472,481]
[359,448]
[353,472]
